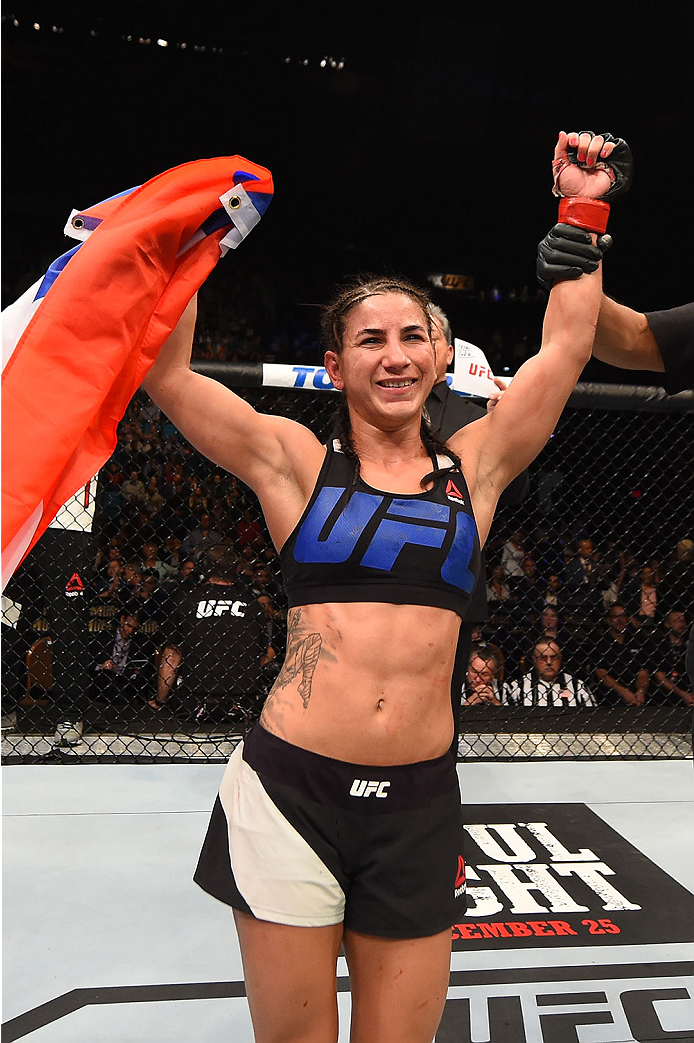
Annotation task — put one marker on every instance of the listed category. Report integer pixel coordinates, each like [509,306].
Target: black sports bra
[420,549]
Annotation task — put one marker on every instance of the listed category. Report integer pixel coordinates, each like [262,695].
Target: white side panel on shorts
[280,876]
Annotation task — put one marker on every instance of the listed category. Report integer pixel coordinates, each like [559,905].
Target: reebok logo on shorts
[460,877]
[362,788]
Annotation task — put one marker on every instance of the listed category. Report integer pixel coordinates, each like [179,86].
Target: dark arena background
[413,144]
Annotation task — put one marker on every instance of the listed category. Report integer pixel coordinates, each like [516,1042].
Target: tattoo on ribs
[300,660]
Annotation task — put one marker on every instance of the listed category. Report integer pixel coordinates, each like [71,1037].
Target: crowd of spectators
[574,621]
[575,625]
[571,623]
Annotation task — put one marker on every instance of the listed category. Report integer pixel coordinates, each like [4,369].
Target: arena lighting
[102,33]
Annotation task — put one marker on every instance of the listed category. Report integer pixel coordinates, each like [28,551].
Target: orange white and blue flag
[79,342]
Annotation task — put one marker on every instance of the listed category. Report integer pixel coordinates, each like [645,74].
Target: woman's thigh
[398,986]
[291,979]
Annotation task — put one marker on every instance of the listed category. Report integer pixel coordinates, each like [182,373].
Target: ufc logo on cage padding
[315,545]
[220,608]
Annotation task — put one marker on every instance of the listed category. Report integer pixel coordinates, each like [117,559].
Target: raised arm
[221,425]
[502,444]
[508,439]
[623,337]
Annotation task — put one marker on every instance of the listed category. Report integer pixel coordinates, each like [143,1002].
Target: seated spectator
[174,479]
[656,564]
[155,500]
[218,633]
[113,474]
[528,588]
[619,661]
[197,497]
[583,593]
[249,531]
[189,573]
[668,660]
[199,541]
[676,589]
[623,569]
[264,582]
[171,553]
[237,496]
[151,560]
[139,529]
[217,486]
[546,625]
[150,440]
[112,549]
[552,593]
[482,683]
[498,589]
[133,489]
[111,498]
[639,596]
[108,586]
[512,554]
[579,582]
[121,660]
[188,576]
[132,578]
[478,637]
[151,601]
[546,684]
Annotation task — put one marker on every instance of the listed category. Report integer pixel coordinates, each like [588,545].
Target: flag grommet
[78,222]
[234,203]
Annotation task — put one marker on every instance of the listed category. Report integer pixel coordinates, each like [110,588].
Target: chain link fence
[156,633]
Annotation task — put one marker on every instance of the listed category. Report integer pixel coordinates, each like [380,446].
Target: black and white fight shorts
[301,839]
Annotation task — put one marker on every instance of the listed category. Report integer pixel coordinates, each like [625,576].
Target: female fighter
[338,820]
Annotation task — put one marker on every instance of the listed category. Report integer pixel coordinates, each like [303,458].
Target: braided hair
[333,321]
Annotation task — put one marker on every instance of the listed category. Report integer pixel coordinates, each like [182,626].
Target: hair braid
[343,428]
[435,445]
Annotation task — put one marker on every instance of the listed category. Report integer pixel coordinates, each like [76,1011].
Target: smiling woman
[379,535]
[407,364]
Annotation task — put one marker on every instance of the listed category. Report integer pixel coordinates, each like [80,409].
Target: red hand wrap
[584,212]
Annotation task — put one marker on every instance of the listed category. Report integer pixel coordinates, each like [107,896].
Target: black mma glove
[566,252]
[619,164]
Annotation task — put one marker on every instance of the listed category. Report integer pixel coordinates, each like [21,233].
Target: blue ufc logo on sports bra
[423,523]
